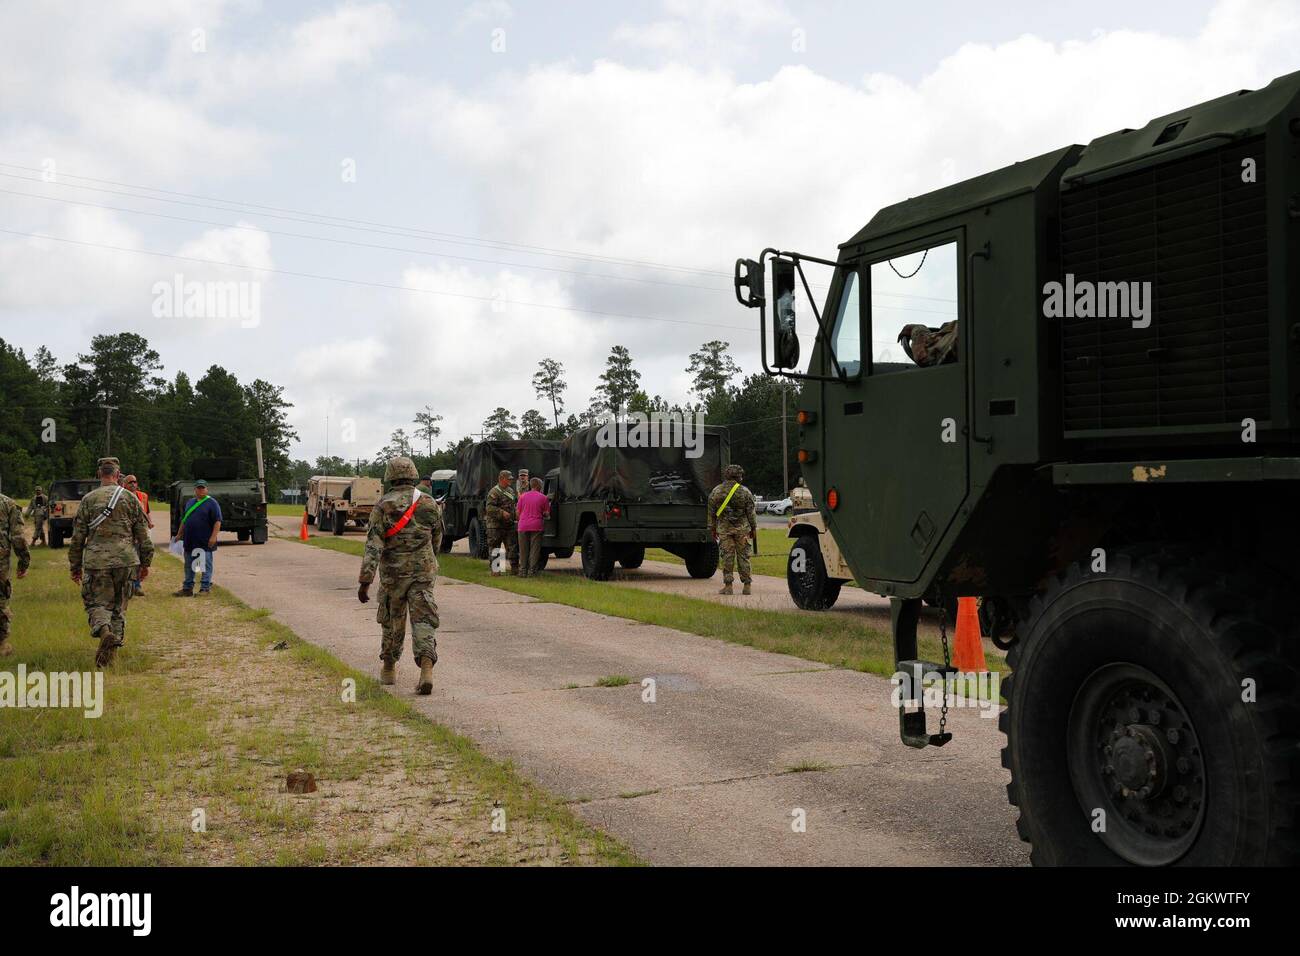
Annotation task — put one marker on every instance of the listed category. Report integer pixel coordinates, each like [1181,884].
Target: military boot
[425,684]
[388,673]
[107,647]
[746,589]
[6,649]
[726,588]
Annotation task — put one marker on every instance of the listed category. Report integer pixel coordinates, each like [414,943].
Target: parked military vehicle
[816,569]
[334,501]
[242,500]
[65,499]
[476,472]
[615,501]
[1111,465]
[440,481]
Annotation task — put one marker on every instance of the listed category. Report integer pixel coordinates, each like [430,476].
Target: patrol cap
[200,483]
[504,473]
[109,461]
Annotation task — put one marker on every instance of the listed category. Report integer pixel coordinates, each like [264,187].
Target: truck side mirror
[749,276]
[783,321]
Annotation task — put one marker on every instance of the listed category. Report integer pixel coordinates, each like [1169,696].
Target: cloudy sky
[433,196]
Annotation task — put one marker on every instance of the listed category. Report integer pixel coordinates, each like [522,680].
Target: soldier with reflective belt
[404,535]
[733,520]
[110,543]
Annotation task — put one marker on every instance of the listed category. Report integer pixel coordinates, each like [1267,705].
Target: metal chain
[947,660]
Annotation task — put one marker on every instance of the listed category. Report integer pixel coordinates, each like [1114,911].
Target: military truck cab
[1072,387]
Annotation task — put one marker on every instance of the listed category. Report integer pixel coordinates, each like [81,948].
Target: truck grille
[1194,230]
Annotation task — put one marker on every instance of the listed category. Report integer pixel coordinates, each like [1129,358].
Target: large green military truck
[614,500]
[477,467]
[242,500]
[1114,466]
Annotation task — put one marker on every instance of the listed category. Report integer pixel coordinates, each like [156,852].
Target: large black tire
[340,522]
[702,561]
[478,547]
[811,589]
[323,522]
[259,534]
[597,555]
[632,556]
[56,539]
[446,543]
[1127,697]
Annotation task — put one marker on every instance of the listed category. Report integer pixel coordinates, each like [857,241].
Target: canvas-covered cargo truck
[242,500]
[333,501]
[476,472]
[1100,439]
[65,500]
[614,500]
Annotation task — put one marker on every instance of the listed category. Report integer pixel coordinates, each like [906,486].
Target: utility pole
[785,451]
[108,428]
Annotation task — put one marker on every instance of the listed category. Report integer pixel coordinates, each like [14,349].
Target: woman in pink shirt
[533,509]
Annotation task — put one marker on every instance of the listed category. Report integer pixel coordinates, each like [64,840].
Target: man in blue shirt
[200,524]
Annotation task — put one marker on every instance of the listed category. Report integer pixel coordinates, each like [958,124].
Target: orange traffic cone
[302,531]
[968,654]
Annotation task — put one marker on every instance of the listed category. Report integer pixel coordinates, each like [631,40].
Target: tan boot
[726,589]
[107,647]
[388,673]
[6,649]
[425,684]
[746,589]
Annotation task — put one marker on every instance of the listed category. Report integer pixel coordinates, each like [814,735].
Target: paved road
[701,775]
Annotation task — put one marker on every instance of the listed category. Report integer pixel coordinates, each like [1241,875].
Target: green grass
[119,790]
[773,551]
[828,638]
[614,680]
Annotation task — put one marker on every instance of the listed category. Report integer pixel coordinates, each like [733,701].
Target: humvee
[1109,457]
[242,501]
[334,501]
[65,499]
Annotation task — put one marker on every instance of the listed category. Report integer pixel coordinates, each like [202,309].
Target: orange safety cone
[968,654]
[302,531]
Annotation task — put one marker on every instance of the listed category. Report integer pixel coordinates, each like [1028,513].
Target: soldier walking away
[500,508]
[11,542]
[110,546]
[404,536]
[733,520]
[39,510]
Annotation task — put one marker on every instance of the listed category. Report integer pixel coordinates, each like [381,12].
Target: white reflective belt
[108,509]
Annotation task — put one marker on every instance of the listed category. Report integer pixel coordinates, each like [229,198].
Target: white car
[782,507]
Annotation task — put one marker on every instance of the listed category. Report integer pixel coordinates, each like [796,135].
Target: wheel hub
[1134,755]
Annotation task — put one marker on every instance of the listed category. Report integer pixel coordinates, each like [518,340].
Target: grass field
[773,551]
[828,638]
[207,708]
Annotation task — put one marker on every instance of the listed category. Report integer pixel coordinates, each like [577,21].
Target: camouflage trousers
[400,597]
[499,534]
[6,589]
[734,547]
[39,533]
[105,593]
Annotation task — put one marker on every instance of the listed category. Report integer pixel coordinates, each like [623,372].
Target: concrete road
[737,746]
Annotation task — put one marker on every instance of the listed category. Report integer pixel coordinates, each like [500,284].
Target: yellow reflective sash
[727,500]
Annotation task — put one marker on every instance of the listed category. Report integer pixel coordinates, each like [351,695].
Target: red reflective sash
[406,516]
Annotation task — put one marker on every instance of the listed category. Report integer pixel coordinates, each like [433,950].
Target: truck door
[550,486]
[896,443]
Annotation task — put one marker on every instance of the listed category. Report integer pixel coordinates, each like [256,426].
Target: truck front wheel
[597,556]
[702,562]
[1153,716]
[805,576]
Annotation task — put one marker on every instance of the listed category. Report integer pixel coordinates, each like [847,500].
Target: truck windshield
[846,336]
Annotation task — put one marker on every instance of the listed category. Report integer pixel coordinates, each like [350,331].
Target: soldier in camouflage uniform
[500,509]
[405,533]
[733,520]
[39,509]
[926,346]
[11,541]
[110,545]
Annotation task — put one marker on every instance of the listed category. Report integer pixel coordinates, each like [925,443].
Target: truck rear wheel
[1153,717]
[703,561]
[56,538]
[340,522]
[597,556]
[477,539]
[810,588]
[632,556]
[259,534]
[323,522]
[311,518]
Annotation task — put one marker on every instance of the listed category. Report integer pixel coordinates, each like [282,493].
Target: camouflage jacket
[11,536]
[411,551]
[500,505]
[741,513]
[119,541]
[931,346]
[39,507]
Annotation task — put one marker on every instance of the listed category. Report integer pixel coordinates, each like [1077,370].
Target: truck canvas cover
[590,467]
[479,464]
